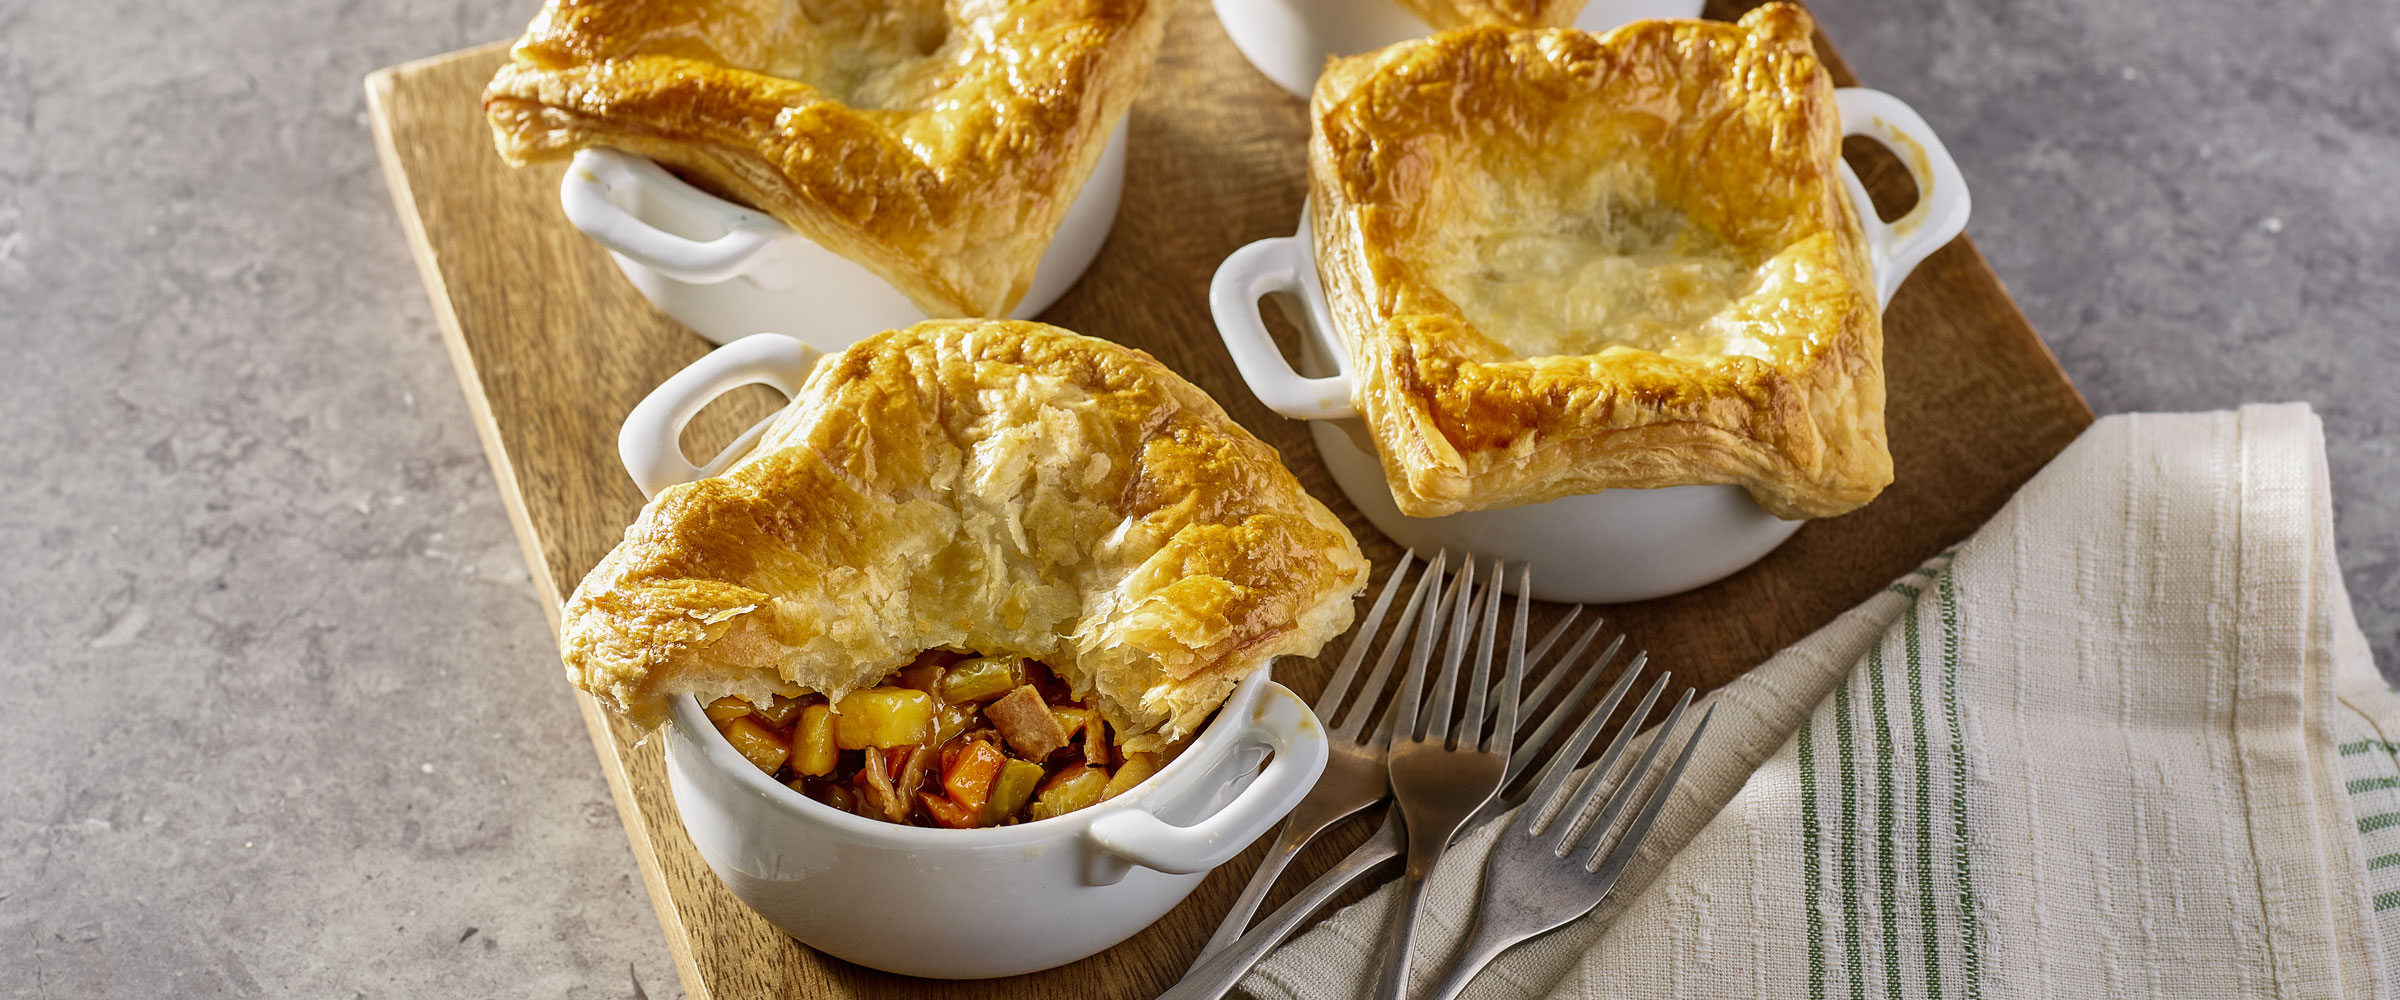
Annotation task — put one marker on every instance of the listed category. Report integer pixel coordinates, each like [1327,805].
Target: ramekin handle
[1941,210]
[584,193]
[1249,274]
[1280,722]
[650,441]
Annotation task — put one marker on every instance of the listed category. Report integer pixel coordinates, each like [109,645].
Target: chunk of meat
[1025,721]
[874,783]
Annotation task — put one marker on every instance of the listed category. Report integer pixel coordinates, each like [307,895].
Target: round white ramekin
[959,904]
[1289,40]
[728,271]
[1606,547]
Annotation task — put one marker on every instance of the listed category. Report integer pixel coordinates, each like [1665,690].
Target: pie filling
[953,740]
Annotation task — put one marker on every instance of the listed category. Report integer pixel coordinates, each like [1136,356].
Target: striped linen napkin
[2126,740]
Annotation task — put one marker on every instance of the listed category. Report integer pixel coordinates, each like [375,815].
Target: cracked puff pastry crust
[1565,263]
[996,486]
[939,144]
[1446,14]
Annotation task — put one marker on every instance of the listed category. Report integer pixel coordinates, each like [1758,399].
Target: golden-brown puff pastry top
[996,486]
[937,143]
[1445,14]
[1564,263]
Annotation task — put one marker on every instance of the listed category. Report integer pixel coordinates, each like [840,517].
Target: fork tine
[1403,721]
[1625,786]
[1541,803]
[1640,827]
[1370,693]
[1542,648]
[1557,672]
[1504,732]
[1362,637]
[1470,730]
[1588,678]
[1434,722]
[1596,779]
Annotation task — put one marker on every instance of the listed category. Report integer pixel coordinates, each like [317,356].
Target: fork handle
[1237,920]
[1484,943]
[1214,977]
[1400,941]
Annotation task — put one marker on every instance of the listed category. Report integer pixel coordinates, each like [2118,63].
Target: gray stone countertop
[279,717]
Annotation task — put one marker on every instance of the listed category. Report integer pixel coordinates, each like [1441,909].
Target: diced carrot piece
[1027,723]
[946,812]
[969,778]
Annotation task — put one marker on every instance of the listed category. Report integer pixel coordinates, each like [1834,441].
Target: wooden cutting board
[553,348]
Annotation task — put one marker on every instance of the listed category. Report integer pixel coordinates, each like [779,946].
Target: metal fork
[1553,864]
[1439,780]
[1354,775]
[1212,977]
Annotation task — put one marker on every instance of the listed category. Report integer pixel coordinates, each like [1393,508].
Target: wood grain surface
[553,348]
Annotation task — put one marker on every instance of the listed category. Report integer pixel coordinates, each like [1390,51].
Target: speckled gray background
[277,717]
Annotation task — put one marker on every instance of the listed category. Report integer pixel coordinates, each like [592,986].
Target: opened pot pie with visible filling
[1564,263]
[967,527]
[938,144]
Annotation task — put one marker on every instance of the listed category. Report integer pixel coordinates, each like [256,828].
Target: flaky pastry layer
[937,144]
[1565,263]
[1446,14]
[996,486]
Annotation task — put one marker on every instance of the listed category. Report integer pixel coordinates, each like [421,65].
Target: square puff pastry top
[1442,14]
[997,486]
[1565,263]
[937,144]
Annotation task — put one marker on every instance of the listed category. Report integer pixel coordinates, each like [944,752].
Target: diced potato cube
[778,713]
[968,777]
[813,749]
[1010,791]
[981,679]
[1138,767]
[883,717]
[1070,789]
[726,709]
[762,745]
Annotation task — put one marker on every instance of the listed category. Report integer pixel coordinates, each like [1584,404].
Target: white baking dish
[728,271]
[1289,40]
[1607,547]
[958,904]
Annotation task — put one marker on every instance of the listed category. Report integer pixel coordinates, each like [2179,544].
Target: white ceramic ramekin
[1289,40]
[959,904]
[1607,547]
[727,271]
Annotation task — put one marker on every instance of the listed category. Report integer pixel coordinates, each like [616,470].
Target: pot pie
[1059,509]
[938,144]
[1564,263]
